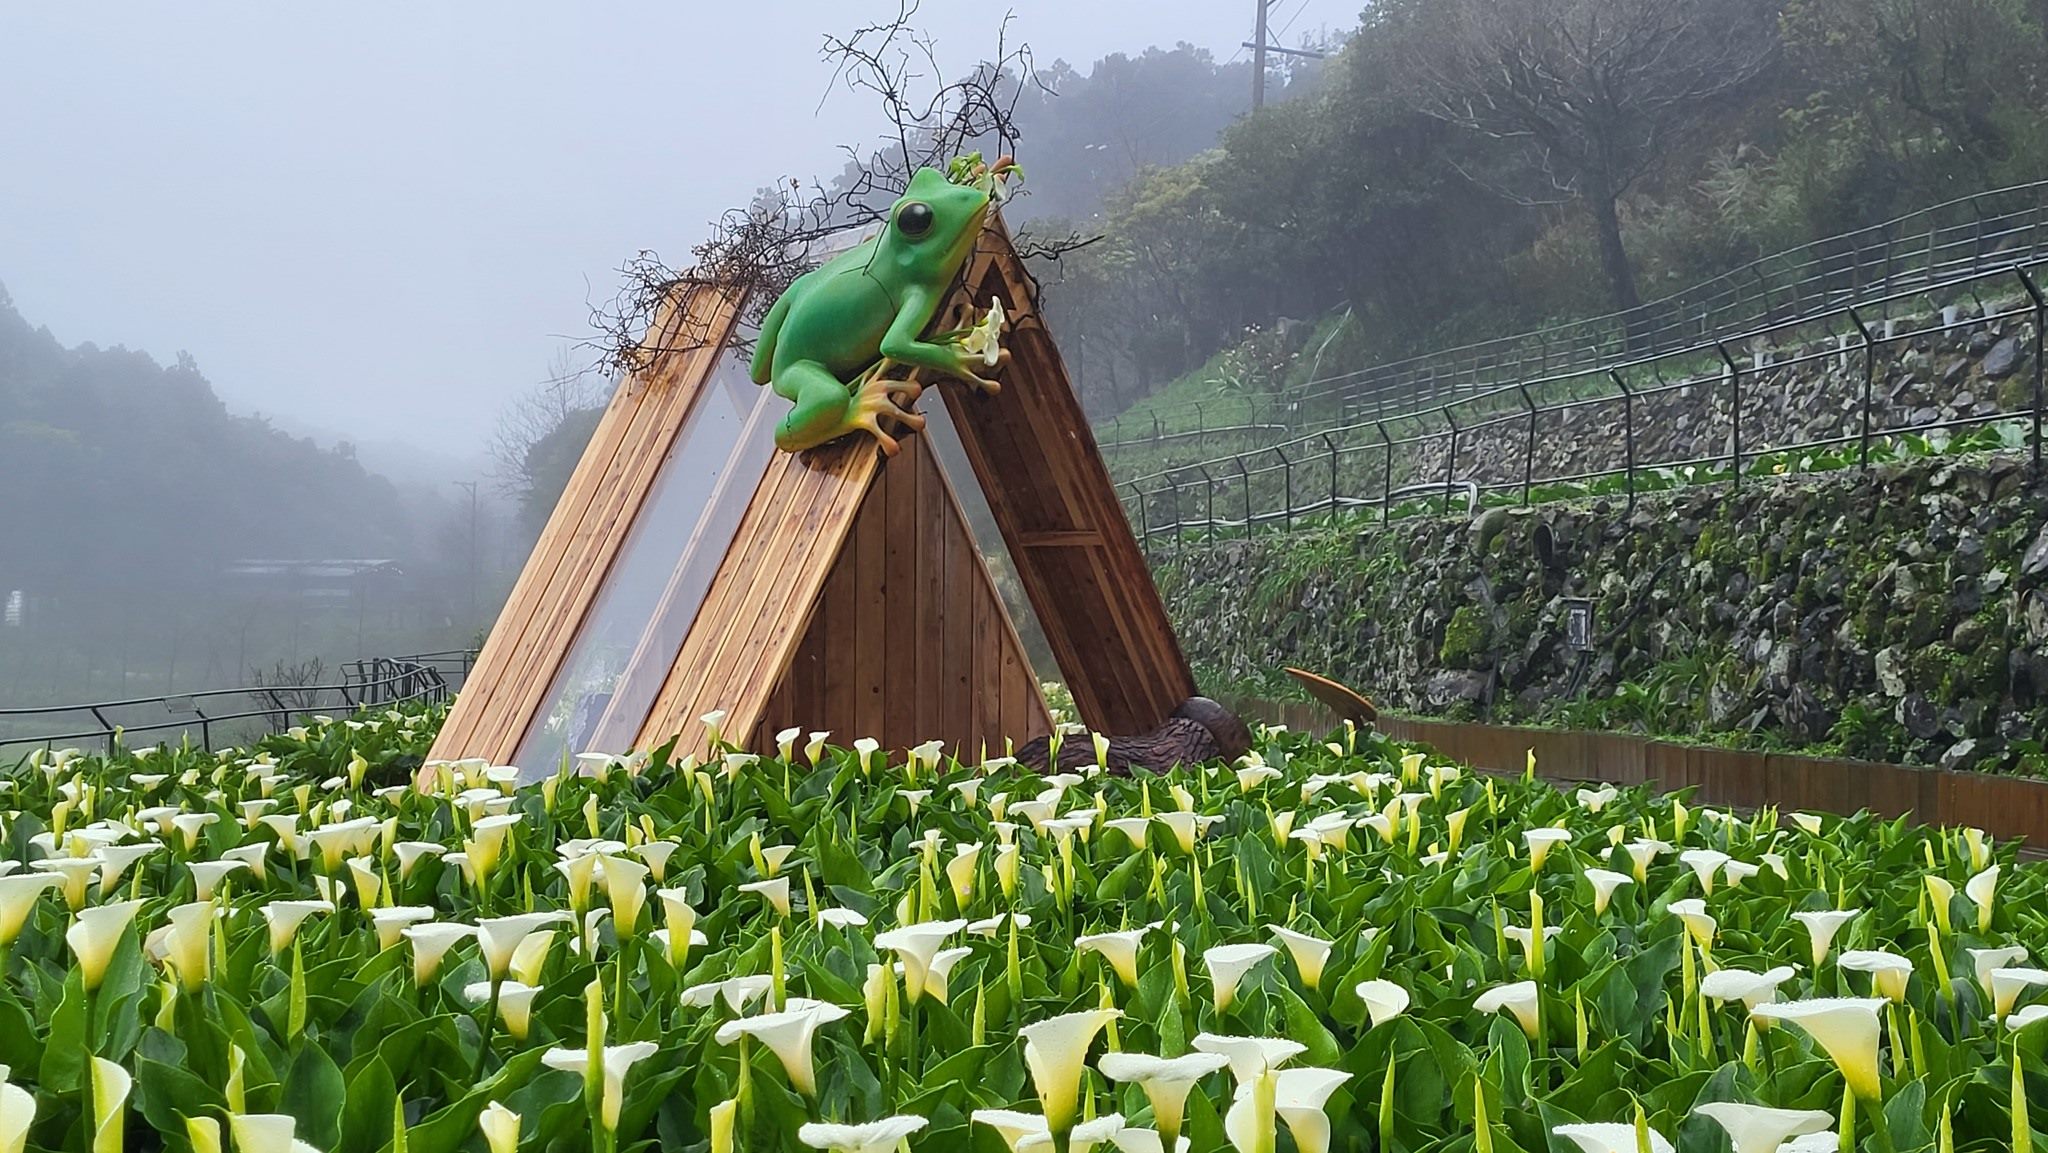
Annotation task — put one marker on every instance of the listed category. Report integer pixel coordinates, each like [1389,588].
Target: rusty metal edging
[2006,807]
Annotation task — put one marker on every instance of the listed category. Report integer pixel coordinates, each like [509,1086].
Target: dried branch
[763,247]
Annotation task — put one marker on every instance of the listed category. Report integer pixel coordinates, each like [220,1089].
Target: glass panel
[626,645]
[951,456]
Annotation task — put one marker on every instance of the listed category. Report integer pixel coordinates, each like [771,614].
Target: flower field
[1334,944]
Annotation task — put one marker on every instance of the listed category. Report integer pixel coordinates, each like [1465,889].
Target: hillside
[130,493]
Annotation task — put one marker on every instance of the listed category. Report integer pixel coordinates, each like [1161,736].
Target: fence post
[2040,322]
[1450,458]
[1287,487]
[1529,451]
[1869,378]
[1628,433]
[1734,411]
[1144,522]
[1180,536]
[1332,446]
[1387,483]
[1245,477]
[1208,498]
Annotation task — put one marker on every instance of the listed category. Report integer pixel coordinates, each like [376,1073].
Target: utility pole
[1259,55]
[1259,44]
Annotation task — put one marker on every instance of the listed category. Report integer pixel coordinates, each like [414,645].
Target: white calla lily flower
[500,937]
[1310,953]
[1983,962]
[1519,999]
[1120,949]
[873,1137]
[1227,966]
[618,1061]
[1166,1081]
[775,891]
[1752,989]
[500,1128]
[1612,1137]
[430,943]
[1604,883]
[285,917]
[789,1035]
[1759,1129]
[17,1113]
[1821,928]
[1982,890]
[916,945]
[95,933]
[1889,972]
[2008,984]
[390,922]
[1846,1028]
[1300,1099]
[19,895]
[1250,1056]
[1384,1000]
[1056,1054]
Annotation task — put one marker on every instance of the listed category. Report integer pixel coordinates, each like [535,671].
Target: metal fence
[219,718]
[1966,237]
[1839,380]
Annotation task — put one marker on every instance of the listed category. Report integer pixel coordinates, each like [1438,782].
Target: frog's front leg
[826,410]
[905,341]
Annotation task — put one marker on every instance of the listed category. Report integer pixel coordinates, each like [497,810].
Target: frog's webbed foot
[876,397]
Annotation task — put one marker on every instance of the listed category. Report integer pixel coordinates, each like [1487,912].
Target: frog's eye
[914,219]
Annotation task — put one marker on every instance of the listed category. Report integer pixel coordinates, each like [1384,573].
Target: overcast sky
[383,218]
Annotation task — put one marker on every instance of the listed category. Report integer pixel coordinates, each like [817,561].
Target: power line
[1262,42]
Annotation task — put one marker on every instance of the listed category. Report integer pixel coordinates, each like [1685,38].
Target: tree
[1597,91]
[541,435]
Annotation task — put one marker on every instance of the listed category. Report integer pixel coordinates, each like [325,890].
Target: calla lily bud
[110,1086]
[1056,1054]
[500,1128]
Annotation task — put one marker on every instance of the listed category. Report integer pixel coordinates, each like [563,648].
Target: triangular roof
[690,567]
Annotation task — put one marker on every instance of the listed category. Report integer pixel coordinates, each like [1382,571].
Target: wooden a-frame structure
[690,568]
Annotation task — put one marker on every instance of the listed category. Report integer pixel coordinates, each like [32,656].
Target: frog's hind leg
[826,410]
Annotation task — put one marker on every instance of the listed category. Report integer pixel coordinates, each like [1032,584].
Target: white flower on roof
[984,340]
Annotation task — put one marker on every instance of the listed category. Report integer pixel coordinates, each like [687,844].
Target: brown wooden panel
[533,631]
[925,625]
[1035,456]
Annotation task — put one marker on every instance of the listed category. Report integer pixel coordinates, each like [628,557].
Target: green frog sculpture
[827,340]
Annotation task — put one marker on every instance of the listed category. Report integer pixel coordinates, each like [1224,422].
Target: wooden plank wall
[1035,457]
[533,632]
[910,640]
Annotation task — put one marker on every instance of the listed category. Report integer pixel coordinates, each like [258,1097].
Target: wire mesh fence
[1947,366]
[220,718]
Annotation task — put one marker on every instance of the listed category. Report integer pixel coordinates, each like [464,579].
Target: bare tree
[1598,91]
[766,245]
